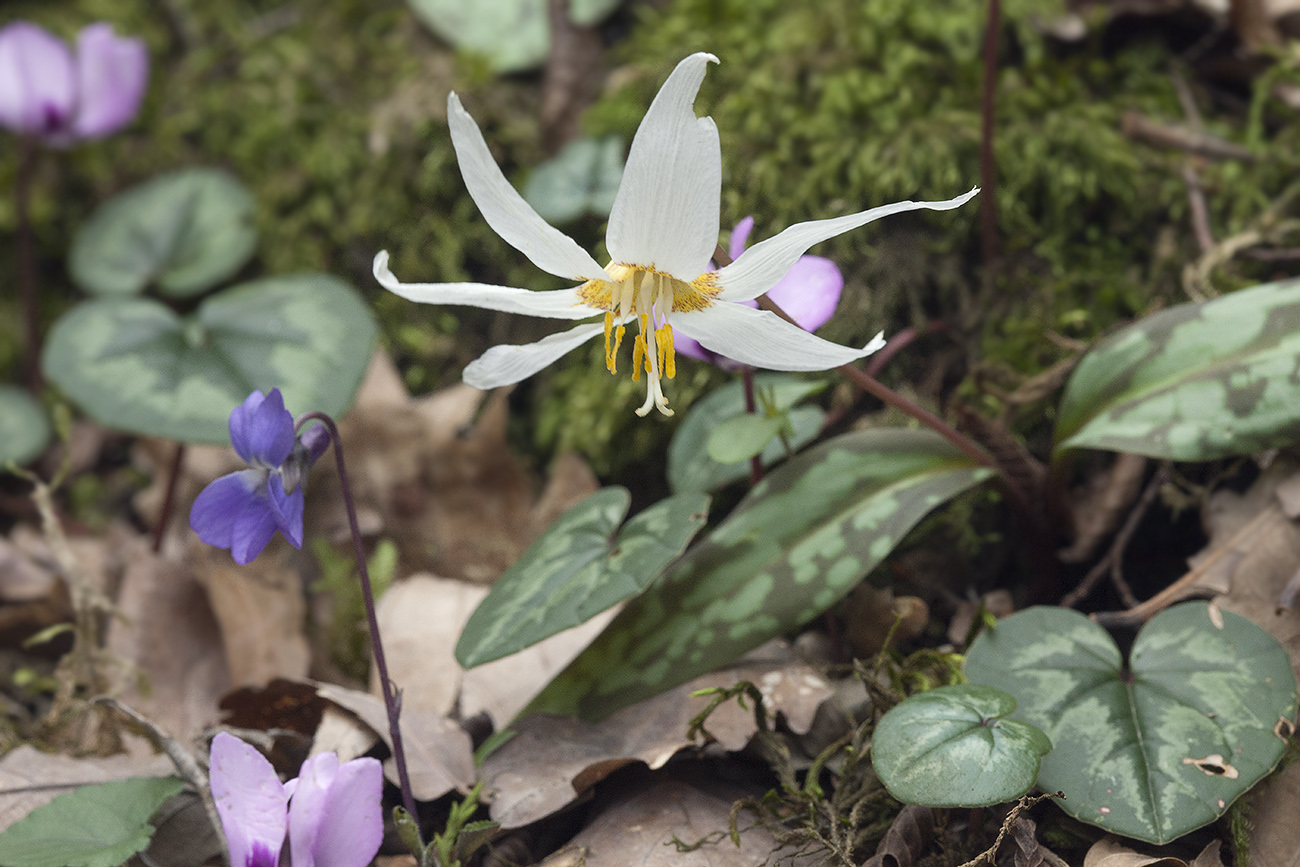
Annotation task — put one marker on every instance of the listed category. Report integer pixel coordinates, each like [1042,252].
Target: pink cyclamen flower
[809,292]
[50,93]
[334,816]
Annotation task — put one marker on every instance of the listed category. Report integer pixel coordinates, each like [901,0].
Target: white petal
[760,338]
[556,304]
[765,263]
[506,211]
[666,213]
[502,365]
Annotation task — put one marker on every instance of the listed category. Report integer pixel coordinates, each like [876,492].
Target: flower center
[650,296]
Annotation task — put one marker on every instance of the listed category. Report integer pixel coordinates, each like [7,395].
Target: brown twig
[169,496]
[1114,556]
[751,407]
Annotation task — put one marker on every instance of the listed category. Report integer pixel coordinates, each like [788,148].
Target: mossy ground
[334,115]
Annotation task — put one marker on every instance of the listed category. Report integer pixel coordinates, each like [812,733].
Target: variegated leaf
[1163,746]
[577,569]
[24,427]
[952,746]
[1193,383]
[133,364]
[793,547]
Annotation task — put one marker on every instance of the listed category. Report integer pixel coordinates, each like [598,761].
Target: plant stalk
[28,298]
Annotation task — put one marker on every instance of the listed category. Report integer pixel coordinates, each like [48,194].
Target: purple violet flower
[241,511]
[49,93]
[809,292]
[334,814]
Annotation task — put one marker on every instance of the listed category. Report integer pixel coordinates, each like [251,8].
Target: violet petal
[307,807]
[810,291]
[352,822]
[253,528]
[240,419]
[739,235]
[287,508]
[250,801]
[37,94]
[217,506]
[112,72]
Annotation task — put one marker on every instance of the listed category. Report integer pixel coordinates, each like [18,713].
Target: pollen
[649,297]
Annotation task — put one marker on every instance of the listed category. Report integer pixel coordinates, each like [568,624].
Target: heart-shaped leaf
[577,569]
[94,826]
[952,747]
[512,35]
[1193,383]
[186,231]
[134,364]
[1162,747]
[797,543]
[690,468]
[24,427]
[582,179]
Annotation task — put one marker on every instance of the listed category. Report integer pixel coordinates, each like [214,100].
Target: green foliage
[134,364]
[1160,747]
[1193,383]
[581,566]
[24,426]
[953,746]
[186,231]
[691,464]
[459,839]
[94,826]
[347,636]
[582,178]
[798,542]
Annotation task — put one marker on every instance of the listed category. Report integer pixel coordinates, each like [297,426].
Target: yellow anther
[609,350]
[667,354]
[638,355]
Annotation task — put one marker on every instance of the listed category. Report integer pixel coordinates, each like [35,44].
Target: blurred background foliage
[333,113]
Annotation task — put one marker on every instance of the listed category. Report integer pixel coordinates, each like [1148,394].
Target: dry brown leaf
[1275,833]
[439,755]
[30,778]
[1112,851]
[1100,505]
[907,840]
[869,616]
[639,830]
[551,759]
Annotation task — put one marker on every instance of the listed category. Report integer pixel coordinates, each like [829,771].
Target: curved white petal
[506,211]
[760,338]
[503,365]
[766,262]
[666,213]
[555,304]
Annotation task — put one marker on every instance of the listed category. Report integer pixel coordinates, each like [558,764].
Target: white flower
[662,230]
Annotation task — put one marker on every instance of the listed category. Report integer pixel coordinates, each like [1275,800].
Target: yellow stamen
[609,350]
[638,354]
[667,355]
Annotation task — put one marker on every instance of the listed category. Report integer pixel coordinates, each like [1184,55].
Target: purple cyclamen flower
[809,292]
[49,93]
[334,815]
[241,511]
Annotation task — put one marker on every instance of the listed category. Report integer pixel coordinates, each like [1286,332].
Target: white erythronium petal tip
[503,365]
[506,211]
[760,338]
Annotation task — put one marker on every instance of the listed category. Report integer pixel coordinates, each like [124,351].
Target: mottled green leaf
[1163,747]
[577,569]
[689,466]
[133,364]
[94,826]
[512,35]
[798,542]
[582,179]
[952,747]
[185,231]
[1193,383]
[24,427]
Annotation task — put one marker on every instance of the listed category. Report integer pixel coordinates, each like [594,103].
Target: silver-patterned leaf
[134,364]
[582,178]
[185,231]
[798,542]
[953,746]
[1193,383]
[577,569]
[24,427]
[1163,746]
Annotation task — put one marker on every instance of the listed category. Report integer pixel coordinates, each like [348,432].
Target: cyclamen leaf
[134,364]
[1193,383]
[953,747]
[1164,747]
[186,231]
[24,428]
[582,179]
[94,826]
[577,569]
[801,539]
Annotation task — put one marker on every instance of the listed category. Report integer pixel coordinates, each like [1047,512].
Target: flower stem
[756,462]
[392,698]
[169,496]
[27,294]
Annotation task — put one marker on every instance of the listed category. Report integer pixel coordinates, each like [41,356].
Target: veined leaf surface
[133,364]
[1162,747]
[577,569]
[1193,383]
[797,543]
[952,746]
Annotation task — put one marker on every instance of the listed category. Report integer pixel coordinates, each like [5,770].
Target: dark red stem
[27,294]
[756,462]
[392,698]
[169,497]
